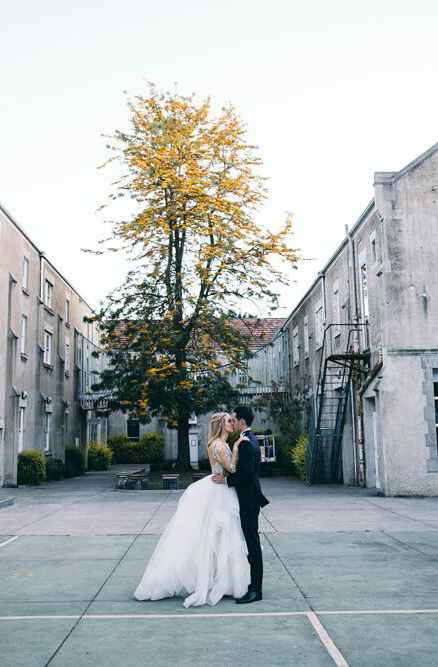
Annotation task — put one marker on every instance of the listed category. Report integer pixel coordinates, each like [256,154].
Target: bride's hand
[242,438]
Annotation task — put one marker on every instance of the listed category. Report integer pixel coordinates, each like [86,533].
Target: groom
[251,499]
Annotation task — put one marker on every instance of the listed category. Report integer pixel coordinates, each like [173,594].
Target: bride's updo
[217,426]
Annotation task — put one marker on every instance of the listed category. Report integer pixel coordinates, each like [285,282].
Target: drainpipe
[356,398]
[42,277]
[351,307]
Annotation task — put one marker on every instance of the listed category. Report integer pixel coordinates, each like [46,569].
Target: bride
[202,553]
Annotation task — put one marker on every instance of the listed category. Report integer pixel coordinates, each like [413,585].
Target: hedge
[149,449]
[99,456]
[55,469]
[74,462]
[31,467]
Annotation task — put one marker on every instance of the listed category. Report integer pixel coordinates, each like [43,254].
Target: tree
[198,254]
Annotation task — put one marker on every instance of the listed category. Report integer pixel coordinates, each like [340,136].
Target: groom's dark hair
[244,412]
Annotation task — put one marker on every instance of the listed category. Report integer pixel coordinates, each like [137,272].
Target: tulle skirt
[202,553]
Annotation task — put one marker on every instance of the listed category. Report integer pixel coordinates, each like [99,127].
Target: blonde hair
[217,426]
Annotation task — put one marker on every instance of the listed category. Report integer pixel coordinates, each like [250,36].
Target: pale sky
[330,91]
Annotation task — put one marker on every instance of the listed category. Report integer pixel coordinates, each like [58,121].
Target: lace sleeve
[223,455]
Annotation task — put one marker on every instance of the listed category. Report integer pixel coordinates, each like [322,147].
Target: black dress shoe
[251,596]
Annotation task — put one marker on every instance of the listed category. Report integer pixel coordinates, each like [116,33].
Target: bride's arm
[222,452]
[223,457]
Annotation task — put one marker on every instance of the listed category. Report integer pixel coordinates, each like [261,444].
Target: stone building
[259,331]
[46,360]
[362,343]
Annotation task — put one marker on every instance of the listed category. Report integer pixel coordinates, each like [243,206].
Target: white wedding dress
[202,553]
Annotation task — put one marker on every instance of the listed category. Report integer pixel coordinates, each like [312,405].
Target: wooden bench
[170,480]
[132,479]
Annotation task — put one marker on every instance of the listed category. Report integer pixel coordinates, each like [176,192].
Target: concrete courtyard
[350,579]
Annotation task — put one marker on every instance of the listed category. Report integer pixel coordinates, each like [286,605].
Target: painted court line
[189,616]
[12,539]
[327,641]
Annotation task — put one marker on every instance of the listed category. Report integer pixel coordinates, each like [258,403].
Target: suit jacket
[246,478]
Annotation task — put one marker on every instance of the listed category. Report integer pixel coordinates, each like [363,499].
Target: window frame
[133,420]
[48,293]
[24,334]
[295,346]
[48,349]
[25,273]
[319,325]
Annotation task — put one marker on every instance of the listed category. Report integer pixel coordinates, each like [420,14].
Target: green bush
[74,462]
[31,467]
[298,455]
[99,456]
[55,469]
[283,449]
[117,441]
[149,449]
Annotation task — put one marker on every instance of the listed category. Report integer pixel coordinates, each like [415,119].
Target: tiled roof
[260,330]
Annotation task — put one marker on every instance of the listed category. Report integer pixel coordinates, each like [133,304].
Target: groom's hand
[218,479]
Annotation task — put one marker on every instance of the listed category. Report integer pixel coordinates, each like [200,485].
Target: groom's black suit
[251,499]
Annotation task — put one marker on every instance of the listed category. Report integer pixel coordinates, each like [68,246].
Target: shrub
[99,456]
[117,441]
[298,455]
[149,449]
[283,449]
[74,462]
[31,467]
[55,469]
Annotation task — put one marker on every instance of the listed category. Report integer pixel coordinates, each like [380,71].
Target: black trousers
[250,527]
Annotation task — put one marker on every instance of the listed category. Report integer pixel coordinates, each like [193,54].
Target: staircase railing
[324,455]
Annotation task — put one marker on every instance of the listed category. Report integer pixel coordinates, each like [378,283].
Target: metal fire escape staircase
[324,454]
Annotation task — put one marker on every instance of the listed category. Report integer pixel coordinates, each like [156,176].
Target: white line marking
[12,539]
[377,611]
[194,615]
[325,638]
[38,618]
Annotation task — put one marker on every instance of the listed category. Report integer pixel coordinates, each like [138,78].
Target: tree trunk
[183,461]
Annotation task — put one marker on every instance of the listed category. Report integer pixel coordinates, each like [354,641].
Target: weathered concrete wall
[45,390]
[384,274]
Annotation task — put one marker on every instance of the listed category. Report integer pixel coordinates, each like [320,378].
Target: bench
[170,480]
[132,479]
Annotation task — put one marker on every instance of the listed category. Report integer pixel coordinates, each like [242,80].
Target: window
[319,326]
[435,398]
[25,276]
[336,314]
[21,427]
[67,311]
[295,347]
[48,344]
[364,292]
[306,338]
[67,355]
[242,376]
[47,425]
[133,426]
[23,338]
[48,294]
